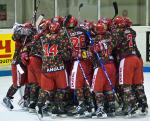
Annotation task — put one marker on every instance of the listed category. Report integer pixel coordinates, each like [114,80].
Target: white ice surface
[17,114]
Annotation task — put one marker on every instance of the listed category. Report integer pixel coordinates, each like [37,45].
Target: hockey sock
[80,96]
[34,92]
[99,98]
[60,100]
[42,96]
[100,104]
[110,103]
[27,92]
[89,99]
[129,100]
[140,95]
[11,91]
[50,100]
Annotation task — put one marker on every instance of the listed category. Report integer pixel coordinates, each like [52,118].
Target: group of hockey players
[78,69]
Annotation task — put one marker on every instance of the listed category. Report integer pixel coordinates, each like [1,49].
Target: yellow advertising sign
[7,48]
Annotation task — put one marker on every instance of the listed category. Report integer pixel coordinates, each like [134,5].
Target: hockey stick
[115,5]
[80,6]
[38,21]
[35,12]
[103,67]
[65,24]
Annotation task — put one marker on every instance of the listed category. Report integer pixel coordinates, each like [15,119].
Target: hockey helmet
[44,24]
[128,21]
[72,22]
[58,19]
[101,28]
[106,21]
[54,27]
[28,25]
[119,22]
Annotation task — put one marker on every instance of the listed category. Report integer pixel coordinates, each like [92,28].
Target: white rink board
[141,39]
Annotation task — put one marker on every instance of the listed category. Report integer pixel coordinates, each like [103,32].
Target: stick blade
[115,7]
[67,20]
[40,18]
[80,6]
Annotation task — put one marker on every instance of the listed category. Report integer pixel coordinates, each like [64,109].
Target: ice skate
[58,111]
[7,103]
[80,111]
[23,104]
[143,110]
[39,112]
[100,113]
[130,111]
[31,107]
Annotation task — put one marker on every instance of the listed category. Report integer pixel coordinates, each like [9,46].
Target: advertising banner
[7,48]
[148,46]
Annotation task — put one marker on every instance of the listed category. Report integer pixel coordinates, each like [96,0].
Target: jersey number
[78,42]
[52,51]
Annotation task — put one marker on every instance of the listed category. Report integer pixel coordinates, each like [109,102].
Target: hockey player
[31,56]
[70,101]
[102,47]
[82,70]
[131,67]
[53,77]
[21,35]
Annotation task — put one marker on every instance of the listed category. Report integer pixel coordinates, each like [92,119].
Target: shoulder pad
[80,29]
[127,31]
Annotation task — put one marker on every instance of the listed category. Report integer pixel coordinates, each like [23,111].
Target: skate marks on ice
[18,114]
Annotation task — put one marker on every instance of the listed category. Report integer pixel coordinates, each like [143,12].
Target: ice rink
[17,114]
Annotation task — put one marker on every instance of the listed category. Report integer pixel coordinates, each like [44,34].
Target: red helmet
[72,22]
[101,28]
[87,25]
[58,19]
[28,25]
[106,21]
[119,21]
[54,27]
[128,21]
[48,22]
[44,24]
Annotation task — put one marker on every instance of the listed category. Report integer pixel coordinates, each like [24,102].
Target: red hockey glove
[25,58]
[76,53]
[95,48]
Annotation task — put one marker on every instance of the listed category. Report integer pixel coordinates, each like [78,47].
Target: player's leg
[34,73]
[13,88]
[61,79]
[138,87]
[109,94]
[46,84]
[98,83]
[126,72]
